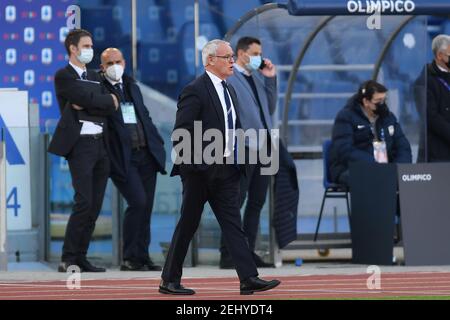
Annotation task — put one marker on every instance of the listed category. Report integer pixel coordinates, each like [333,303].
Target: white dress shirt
[229,145]
[88,127]
[114,82]
[442,69]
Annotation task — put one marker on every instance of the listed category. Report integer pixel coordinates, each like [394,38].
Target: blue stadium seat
[332,190]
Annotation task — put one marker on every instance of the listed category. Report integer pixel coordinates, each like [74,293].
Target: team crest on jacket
[391,130]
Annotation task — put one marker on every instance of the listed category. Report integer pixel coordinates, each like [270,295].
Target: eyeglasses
[227,57]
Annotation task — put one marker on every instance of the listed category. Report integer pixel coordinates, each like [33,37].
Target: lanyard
[444,83]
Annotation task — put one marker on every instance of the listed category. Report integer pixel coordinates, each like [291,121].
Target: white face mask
[86,55]
[114,72]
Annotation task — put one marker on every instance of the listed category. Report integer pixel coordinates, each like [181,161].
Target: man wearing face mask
[137,154]
[255,82]
[365,130]
[79,137]
[438,101]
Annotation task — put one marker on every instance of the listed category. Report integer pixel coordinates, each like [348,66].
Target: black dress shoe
[64,266]
[255,284]
[86,266]
[128,265]
[151,266]
[260,262]
[82,266]
[174,288]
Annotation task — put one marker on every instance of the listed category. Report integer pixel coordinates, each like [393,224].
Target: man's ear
[364,101]
[73,48]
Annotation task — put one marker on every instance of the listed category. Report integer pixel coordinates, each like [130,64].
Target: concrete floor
[335,263]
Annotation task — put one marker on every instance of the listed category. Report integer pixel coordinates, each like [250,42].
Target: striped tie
[230,117]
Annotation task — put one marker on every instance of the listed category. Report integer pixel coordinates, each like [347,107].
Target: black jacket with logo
[352,139]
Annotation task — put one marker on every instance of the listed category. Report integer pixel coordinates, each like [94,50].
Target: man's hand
[269,69]
[116,102]
[76,107]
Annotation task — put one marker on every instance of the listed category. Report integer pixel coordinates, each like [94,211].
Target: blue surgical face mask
[254,63]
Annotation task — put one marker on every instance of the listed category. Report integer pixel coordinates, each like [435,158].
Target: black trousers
[253,187]
[89,168]
[139,191]
[344,178]
[221,190]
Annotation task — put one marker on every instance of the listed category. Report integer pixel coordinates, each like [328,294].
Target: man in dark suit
[209,101]
[79,137]
[432,96]
[136,154]
[438,101]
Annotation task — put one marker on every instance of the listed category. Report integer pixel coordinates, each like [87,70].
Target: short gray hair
[440,43]
[210,49]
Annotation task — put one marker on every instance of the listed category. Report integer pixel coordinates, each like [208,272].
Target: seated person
[365,130]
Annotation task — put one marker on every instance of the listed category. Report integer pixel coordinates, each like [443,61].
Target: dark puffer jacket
[352,139]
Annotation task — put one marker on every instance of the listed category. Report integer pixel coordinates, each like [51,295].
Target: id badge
[380,151]
[128,112]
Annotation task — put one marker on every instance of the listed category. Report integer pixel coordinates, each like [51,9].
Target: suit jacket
[119,139]
[249,113]
[199,101]
[69,91]
[438,114]
[286,189]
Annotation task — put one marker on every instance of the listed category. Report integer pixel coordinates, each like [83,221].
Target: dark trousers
[221,190]
[344,178]
[139,191]
[89,168]
[253,187]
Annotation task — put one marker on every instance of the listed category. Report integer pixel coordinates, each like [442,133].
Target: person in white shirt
[80,137]
[211,101]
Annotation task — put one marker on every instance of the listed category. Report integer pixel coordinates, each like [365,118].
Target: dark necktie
[84,75]
[230,118]
[119,90]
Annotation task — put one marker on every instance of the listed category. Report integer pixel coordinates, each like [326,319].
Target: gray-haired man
[211,101]
[438,101]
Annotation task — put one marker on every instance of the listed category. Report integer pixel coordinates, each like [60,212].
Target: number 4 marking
[14,205]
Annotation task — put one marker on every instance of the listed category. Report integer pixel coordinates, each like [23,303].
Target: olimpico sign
[367,7]
[381,6]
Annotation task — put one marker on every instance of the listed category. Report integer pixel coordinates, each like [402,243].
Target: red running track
[292,287]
